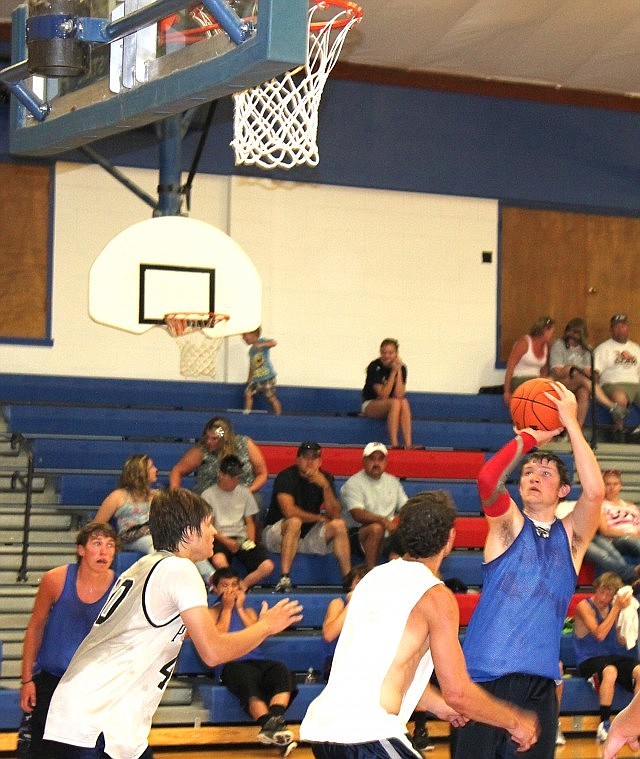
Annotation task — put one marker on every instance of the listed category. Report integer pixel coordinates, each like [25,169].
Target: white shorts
[313,542]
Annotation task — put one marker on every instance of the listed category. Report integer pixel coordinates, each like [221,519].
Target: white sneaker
[560,739]
[603,731]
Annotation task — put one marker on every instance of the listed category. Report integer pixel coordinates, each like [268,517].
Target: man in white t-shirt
[103,706]
[617,363]
[373,498]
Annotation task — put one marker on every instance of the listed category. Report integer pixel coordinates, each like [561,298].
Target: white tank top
[348,710]
[116,678]
[530,365]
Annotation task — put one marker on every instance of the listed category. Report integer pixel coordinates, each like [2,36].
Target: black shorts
[258,678]
[624,664]
[537,694]
[250,560]
[390,748]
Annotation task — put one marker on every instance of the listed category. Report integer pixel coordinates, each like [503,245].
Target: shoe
[421,740]
[618,413]
[274,732]
[560,739]
[283,585]
[603,731]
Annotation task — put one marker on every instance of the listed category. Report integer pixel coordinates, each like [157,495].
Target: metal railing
[20,444]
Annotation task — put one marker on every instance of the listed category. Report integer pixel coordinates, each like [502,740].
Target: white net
[198,349]
[276,123]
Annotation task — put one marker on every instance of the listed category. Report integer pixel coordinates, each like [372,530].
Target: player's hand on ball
[280,616]
[542,436]
[566,403]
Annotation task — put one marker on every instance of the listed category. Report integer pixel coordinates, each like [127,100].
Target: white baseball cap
[373,447]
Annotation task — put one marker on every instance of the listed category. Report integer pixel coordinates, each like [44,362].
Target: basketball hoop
[276,123]
[198,348]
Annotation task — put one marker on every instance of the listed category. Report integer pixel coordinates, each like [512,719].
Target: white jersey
[116,678]
[348,710]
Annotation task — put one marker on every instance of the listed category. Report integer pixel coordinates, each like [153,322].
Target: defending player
[512,644]
[104,703]
[401,621]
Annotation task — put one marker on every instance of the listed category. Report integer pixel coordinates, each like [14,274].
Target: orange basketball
[530,407]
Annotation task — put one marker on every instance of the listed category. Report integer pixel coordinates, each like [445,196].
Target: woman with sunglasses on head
[217,441]
[529,357]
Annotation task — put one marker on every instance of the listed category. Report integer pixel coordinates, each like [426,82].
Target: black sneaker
[421,740]
[274,732]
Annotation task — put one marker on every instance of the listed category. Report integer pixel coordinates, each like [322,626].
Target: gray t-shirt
[230,509]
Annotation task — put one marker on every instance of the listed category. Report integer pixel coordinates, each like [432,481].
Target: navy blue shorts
[391,748]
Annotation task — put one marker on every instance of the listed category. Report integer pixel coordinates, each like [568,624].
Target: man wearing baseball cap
[373,499]
[617,363]
[304,514]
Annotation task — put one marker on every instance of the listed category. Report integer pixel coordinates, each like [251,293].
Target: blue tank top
[517,624]
[590,646]
[70,619]
[237,624]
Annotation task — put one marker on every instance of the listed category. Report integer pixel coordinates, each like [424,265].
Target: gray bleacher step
[38,521]
[14,621]
[10,636]
[184,716]
[17,603]
[11,650]
[39,537]
[40,558]
[8,578]
[10,669]
[178,693]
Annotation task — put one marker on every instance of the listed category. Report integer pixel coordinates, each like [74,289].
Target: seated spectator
[373,498]
[234,508]
[529,356]
[304,515]
[265,688]
[618,532]
[384,393]
[599,652]
[68,602]
[617,363]
[129,504]
[217,441]
[570,364]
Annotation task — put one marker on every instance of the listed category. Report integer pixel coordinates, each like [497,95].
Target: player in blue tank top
[512,644]
[68,602]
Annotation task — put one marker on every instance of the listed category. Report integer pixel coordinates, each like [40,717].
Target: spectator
[373,499]
[402,621]
[265,688]
[68,601]
[618,533]
[304,515]
[129,504]
[599,652]
[217,441]
[531,560]
[105,700]
[617,362]
[529,356]
[570,363]
[384,393]
[262,375]
[234,508]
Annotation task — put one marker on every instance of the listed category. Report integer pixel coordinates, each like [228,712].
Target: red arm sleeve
[492,477]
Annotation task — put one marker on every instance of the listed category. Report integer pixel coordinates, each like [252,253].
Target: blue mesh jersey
[589,646]
[517,624]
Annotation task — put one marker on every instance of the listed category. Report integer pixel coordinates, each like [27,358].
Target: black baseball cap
[309,448]
[618,318]
[231,466]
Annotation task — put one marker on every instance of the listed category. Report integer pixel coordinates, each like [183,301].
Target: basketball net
[275,124]
[198,350]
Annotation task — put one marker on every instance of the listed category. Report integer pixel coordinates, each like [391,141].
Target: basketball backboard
[173,263]
[169,66]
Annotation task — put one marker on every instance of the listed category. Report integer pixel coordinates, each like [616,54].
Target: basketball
[530,407]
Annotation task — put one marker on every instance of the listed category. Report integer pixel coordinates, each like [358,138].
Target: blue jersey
[590,647]
[69,621]
[526,591]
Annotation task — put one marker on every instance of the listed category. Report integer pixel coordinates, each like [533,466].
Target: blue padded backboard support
[279,45]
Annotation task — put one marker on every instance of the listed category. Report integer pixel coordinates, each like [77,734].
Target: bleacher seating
[84,428]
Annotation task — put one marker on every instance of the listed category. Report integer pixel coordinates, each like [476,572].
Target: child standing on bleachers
[262,375]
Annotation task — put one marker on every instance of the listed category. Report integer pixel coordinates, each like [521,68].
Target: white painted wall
[341,269]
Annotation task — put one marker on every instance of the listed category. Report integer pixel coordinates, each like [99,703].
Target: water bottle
[310,678]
